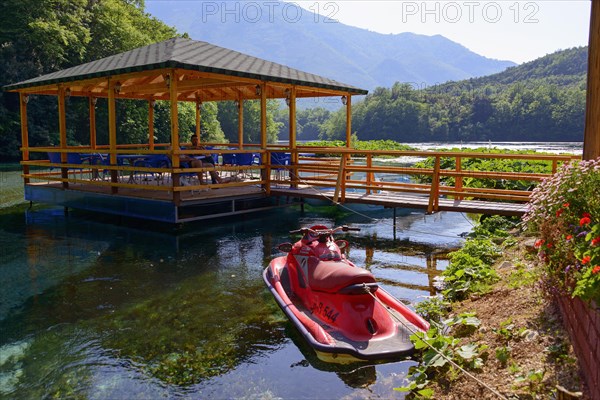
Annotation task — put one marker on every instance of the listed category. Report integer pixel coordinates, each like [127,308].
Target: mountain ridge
[352,55]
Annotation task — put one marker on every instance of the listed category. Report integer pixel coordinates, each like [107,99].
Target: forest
[543,100]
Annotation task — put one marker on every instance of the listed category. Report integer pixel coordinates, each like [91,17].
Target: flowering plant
[565,212]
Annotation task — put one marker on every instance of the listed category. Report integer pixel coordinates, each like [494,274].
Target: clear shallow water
[94,309]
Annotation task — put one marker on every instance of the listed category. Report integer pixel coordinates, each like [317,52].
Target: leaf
[426,393]
[472,321]
[434,359]
[477,363]
[468,351]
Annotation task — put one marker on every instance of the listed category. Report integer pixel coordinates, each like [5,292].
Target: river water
[93,307]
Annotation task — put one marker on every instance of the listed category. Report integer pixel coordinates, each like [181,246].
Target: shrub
[565,212]
[470,269]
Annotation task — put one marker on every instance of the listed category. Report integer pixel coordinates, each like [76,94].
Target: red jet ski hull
[353,321]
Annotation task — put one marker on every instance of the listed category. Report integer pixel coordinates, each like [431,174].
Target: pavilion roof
[206,71]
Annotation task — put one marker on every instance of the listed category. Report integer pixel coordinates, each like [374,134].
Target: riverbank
[526,351]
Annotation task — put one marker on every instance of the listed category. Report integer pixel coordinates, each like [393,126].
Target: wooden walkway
[406,200]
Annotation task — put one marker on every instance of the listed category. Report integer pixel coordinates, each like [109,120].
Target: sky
[518,31]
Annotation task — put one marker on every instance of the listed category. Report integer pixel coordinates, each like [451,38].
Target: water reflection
[91,309]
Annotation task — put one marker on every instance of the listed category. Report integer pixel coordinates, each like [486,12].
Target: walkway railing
[376,171]
[339,169]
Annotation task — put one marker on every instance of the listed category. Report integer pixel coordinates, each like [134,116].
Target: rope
[411,330]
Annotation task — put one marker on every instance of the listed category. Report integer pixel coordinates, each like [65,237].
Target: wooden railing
[340,169]
[369,172]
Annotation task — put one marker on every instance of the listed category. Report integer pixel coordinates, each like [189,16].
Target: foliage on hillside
[543,100]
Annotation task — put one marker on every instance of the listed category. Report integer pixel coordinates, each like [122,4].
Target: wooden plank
[408,201]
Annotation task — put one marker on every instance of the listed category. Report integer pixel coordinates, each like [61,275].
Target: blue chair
[279,159]
[229,159]
[245,159]
[76,158]
[72,158]
[99,159]
[152,161]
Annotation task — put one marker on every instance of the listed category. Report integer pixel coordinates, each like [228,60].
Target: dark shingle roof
[187,54]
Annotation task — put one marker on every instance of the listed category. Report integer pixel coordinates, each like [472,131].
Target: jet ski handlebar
[322,232]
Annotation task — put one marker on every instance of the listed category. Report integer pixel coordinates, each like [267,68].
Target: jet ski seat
[333,276]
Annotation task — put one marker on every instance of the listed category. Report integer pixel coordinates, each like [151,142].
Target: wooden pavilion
[176,70]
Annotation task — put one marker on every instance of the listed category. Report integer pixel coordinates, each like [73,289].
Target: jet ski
[339,308]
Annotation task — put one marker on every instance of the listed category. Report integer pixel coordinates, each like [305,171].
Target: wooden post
[370,175]
[293,133]
[23,99]
[92,112]
[348,121]
[263,127]
[198,119]
[435,187]
[348,135]
[341,182]
[458,181]
[591,138]
[112,134]
[174,132]
[62,129]
[240,121]
[151,103]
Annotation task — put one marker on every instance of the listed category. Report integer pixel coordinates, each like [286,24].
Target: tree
[42,36]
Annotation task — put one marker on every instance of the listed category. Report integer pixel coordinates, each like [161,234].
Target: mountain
[539,101]
[563,68]
[287,34]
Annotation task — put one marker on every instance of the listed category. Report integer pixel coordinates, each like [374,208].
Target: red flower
[586,215]
[559,211]
[584,221]
[569,237]
[549,245]
[539,243]
[596,269]
[566,205]
[595,241]
[586,259]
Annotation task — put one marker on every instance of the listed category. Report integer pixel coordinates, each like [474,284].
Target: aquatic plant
[180,340]
[564,212]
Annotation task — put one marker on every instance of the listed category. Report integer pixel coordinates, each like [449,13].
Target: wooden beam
[198,107]
[263,116]
[62,131]
[263,130]
[348,121]
[92,112]
[151,104]
[23,100]
[591,138]
[293,132]
[240,101]
[174,117]
[173,87]
[112,134]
